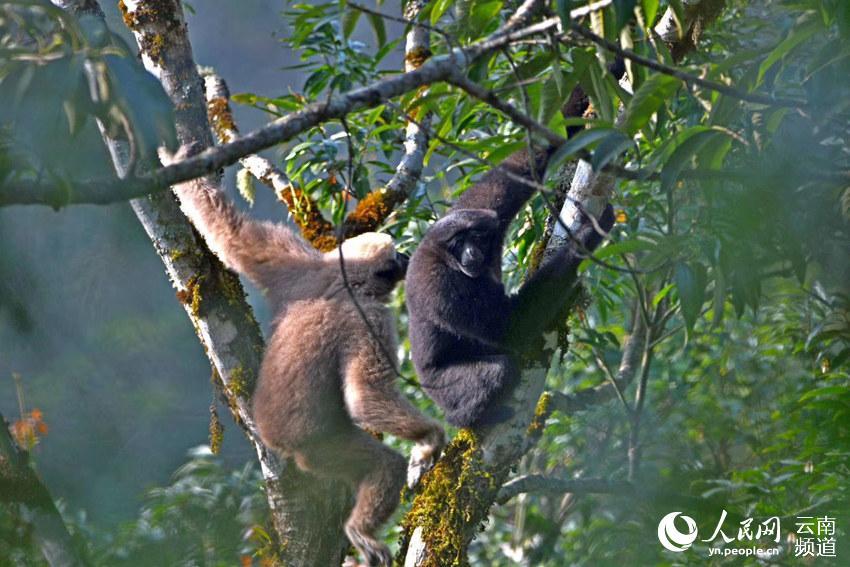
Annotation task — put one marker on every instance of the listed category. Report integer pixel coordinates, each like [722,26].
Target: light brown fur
[324,376]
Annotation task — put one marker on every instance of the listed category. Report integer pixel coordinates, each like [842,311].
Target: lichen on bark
[459,488]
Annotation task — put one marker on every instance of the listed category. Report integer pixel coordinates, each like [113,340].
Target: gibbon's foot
[374,553]
[423,457]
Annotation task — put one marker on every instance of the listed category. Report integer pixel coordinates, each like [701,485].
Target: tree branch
[687,78]
[20,484]
[374,208]
[304,210]
[213,297]
[433,70]
[307,513]
[541,484]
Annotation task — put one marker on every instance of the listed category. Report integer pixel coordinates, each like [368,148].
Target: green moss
[177,254]
[195,291]
[542,411]
[231,288]
[454,494]
[537,254]
[191,296]
[216,431]
[239,383]
[152,13]
[153,45]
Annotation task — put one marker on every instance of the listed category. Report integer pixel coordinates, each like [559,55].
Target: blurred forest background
[745,402]
[89,319]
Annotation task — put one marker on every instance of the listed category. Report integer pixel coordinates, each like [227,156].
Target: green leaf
[611,147]
[579,142]
[531,68]
[690,283]
[142,98]
[599,93]
[682,156]
[563,8]
[651,95]
[797,36]
[350,17]
[482,14]
[551,101]
[440,7]
[719,304]
[831,391]
[378,27]
[624,247]
[625,10]
[662,294]
[650,9]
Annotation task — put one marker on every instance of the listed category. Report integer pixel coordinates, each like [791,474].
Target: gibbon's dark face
[378,279]
[468,237]
[393,270]
[373,266]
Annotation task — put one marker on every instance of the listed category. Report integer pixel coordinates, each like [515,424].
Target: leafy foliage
[56,74]
[731,244]
[208,515]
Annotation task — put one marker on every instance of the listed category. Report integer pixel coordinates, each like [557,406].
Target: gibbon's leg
[374,470]
[374,403]
[466,390]
[382,408]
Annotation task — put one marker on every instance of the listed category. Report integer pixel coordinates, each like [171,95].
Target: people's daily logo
[671,537]
[815,536]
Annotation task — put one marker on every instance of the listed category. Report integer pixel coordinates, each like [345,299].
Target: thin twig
[450,40]
[688,78]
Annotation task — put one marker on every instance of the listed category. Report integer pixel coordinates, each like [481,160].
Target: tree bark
[303,510]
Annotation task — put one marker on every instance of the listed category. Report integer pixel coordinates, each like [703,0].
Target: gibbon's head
[372,265]
[467,240]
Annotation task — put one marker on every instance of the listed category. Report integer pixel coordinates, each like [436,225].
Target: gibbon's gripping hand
[185,151]
[424,455]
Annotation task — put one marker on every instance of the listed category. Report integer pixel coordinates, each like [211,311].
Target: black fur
[465,332]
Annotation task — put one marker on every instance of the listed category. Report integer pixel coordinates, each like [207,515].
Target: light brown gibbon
[325,375]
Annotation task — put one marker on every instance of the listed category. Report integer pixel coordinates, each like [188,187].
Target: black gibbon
[323,376]
[465,331]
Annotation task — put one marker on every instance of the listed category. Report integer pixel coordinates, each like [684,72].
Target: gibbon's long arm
[540,300]
[260,250]
[498,192]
